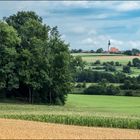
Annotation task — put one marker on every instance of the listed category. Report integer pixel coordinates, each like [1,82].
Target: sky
[86,25]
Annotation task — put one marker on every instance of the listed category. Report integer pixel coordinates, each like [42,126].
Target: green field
[90,110]
[92,57]
[122,59]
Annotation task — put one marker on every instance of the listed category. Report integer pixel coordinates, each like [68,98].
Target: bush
[96,76]
[136,62]
[97,62]
[117,64]
[98,68]
[112,90]
[110,68]
[126,69]
[79,85]
[102,90]
[129,64]
[128,93]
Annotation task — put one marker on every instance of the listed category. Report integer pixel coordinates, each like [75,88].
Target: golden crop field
[18,129]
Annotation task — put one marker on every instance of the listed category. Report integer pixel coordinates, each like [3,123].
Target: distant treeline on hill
[100,50]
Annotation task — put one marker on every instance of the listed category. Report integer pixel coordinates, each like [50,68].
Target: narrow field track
[18,129]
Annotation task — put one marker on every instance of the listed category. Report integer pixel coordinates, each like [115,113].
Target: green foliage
[97,76]
[117,63]
[128,93]
[81,120]
[109,67]
[136,62]
[126,69]
[100,50]
[129,64]
[35,60]
[8,56]
[86,110]
[102,89]
[97,62]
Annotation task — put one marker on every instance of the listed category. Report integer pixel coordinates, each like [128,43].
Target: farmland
[89,57]
[87,110]
[38,130]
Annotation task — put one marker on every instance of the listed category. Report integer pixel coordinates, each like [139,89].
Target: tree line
[34,60]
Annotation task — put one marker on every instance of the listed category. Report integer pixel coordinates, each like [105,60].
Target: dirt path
[18,129]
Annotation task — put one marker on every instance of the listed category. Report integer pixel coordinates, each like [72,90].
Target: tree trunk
[50,95]
[30,96]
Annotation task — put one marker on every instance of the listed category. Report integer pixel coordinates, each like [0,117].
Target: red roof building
[113,50]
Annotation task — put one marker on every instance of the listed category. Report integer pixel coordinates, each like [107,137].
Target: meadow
[84,110]
[122,59]
[90,58]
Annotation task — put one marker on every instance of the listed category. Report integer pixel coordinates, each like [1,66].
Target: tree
[135,51]
[100,50]
[127,84]
[126,69]
[128,52]
[97,62]
[136,62]
[129,64]
[43,60]
[77,65]
[9,40]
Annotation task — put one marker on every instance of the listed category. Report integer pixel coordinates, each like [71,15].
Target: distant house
[113,50]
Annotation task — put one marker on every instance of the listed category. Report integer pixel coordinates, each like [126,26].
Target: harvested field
[18,129]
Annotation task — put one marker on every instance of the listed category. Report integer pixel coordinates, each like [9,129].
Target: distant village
[109,50]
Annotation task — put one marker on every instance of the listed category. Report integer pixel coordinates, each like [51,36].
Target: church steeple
[109,45]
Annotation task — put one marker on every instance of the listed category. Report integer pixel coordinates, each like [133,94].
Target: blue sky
[87,24]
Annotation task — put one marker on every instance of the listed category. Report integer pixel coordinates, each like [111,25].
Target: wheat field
[18,129]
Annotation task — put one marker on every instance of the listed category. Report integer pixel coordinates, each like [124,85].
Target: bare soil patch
[18,129]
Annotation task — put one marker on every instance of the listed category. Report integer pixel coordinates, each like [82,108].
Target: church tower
[109,45]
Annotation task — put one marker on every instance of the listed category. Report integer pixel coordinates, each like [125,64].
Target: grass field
[92,57]
[107,111]
[122,59]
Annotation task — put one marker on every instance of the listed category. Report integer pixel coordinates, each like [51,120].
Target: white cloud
[121,6]
[78,29]
[134,44]
[102,41]
[128,6]
[89,41]
[92,32]
[76,3]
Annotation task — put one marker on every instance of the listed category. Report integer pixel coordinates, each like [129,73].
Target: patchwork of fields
[87,110]
[123,59]
[84,110]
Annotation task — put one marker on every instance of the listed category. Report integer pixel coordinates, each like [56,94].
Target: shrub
[110,68]
[97,62]
[79,85]
[117,64]
[128,93]
[136,62]
[101,89]
[126,69]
